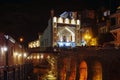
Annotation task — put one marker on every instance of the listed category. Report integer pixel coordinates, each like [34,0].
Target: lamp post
[21,40]
[87,37]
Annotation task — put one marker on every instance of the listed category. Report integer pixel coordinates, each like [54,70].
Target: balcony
[114,27]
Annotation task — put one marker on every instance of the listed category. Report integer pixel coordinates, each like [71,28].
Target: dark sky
[26,18]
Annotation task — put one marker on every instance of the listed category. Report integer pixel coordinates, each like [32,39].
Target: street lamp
[6,56]
[87,38]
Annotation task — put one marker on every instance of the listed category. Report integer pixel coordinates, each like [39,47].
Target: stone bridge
[83,63]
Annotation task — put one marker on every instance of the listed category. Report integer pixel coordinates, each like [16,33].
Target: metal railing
[114,27]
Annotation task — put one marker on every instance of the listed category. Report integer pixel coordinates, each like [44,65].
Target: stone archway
[66,34]
[83,70]
[97,71]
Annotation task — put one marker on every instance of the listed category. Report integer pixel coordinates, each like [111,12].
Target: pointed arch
[97,71]
[66,30]
[83,70]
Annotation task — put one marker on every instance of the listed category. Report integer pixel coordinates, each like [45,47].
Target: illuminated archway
[67,33]
[97,71]
[83,70]
[66,36]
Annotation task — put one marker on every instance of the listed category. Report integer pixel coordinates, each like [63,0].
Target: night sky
[26,18]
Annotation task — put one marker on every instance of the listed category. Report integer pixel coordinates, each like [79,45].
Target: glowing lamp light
[21,39]
[54,19]
[67,21]
[34,57]
[20,55]
[16,54]
[48,57]
[4,49]
[38,57]
[42,56]
[25,55]
[87,37]
[60,20]
[78,22]
[28,57]
[73,21]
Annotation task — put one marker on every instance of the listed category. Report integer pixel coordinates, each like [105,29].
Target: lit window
[54,19]
[78,22]
[67,21]
[38,57]
[60,20]
[73,21]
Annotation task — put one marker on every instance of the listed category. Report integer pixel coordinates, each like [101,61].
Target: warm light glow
[31,57]
[48,57]
[60,20]
[42,56]
[73,72]
[83,71]
[118,7]
[19,55]
[21,39]
[4,49]
[87,37]
[73,35]
[25,55]
[34,44]
[16,53]
[78,22]
[73,21]
[28,57]
[93,42]
[97,71]
[63,70]
[67,21]
[38,57]
[34,57]
[54,19]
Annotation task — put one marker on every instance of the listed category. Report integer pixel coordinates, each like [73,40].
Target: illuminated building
[103,25]
[16,52]
[66,30]
[103,21]
[115,27]
[34,44]
[62,31]
[88,29]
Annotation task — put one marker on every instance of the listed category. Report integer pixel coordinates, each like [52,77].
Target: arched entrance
[66,36]
[97,71]
[83,70]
